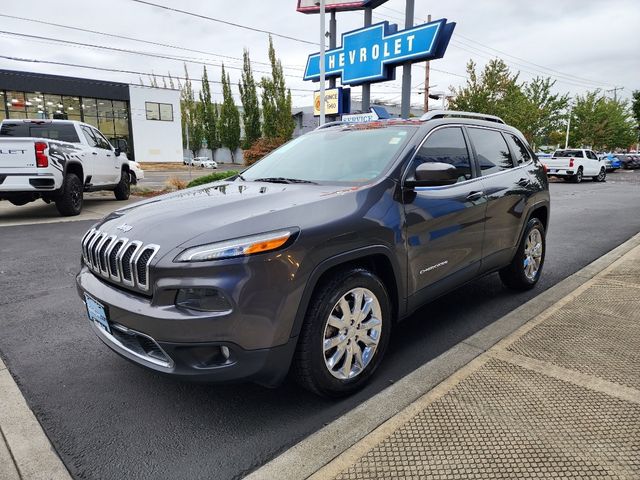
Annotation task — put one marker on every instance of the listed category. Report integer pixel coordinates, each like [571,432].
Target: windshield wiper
[283,180]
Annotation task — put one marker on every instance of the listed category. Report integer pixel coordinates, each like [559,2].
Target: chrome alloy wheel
[352,333]
[533,254]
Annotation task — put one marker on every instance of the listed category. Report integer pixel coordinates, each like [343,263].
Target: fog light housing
[202,300]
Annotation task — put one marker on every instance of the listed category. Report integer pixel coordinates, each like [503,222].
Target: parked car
[208,163]
[306,260]
[611,162]
[629,161]
[58,160]
[574,164]
[137,173]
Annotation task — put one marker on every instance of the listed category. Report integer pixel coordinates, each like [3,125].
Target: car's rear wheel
[123,190]
[524,270]
[345,333]
[69,202]
[602,176]
[577,178]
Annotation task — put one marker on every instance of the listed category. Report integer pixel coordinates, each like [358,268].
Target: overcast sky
[584,44]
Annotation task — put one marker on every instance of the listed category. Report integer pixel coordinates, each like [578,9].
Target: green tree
[530,107]
[601,123]
[190,124]
[635,105]
[229,120]
[209,114]
[250,105]
[276,101]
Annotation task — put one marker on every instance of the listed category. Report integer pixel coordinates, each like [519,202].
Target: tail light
[42,161]
[571,162]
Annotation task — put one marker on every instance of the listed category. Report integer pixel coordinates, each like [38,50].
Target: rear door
[505,186]
[444,225]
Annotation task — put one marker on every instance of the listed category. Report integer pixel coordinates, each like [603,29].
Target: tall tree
[545,111]
[209,114]
[190,124]
[276,101]
[250,105]
[229,120]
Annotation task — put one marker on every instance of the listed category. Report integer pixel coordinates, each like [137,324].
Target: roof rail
[331,124]
[430,115]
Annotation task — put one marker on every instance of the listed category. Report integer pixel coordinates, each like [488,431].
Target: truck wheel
[577,178]
[524,270]
[123,189]
[602,176]
[345,334]
[69,202]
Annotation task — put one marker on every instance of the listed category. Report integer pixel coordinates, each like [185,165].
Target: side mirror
[433,175]
[117,151]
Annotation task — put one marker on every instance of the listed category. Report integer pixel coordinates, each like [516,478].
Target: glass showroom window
[15,102]
[105,118]
[35,105]
[71,107]
[90,111]
[3,110]
[53,106]
[159,111]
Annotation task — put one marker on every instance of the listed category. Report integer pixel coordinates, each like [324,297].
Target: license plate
[553,170]
[97,313]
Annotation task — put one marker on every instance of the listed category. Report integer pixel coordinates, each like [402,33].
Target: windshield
[345,154]
[568,153]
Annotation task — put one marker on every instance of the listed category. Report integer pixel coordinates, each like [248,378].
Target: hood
[218,211]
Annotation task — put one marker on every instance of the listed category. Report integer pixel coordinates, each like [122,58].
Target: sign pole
[406,68]
[322,66]
[427,68]
[566,142]
[366,88]
[332,45]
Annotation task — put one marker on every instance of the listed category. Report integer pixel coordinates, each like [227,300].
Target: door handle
[473,196]
[108,155]
[94,153]
[523,182]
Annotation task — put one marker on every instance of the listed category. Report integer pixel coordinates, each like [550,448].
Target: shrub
[260,148]
[176,183]
[213,177]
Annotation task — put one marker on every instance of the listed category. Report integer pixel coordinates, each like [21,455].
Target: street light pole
[566,142]
[322,66]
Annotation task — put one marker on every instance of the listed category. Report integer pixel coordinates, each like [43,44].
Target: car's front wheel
[123,190]
[602,176]
[345,333]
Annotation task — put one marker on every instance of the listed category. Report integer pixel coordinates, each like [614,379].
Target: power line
[117,70]
[225,22]
[140,40]
[134,52]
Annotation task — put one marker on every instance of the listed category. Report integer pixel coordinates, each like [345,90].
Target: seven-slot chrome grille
[118,259]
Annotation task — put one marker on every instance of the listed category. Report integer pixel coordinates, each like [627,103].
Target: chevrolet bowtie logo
[368,54]
[124,227]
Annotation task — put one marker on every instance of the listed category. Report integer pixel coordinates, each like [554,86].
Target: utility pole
[322,66]
[406,68]
[366,88]
[615,92]
[426,79]
[566,142]
[332,45]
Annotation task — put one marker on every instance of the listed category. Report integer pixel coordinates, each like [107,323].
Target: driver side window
[446,145]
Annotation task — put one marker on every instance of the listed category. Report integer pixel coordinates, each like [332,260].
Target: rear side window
[88,134]
[446,145]
[491,149]
[65,132]
[521,152]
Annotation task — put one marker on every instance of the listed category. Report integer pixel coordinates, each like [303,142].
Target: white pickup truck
[574,164]
[58,160]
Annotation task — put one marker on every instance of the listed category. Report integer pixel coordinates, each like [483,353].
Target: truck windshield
[341,154]
[65,132]
[568,153]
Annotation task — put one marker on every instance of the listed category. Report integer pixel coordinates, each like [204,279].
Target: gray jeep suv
[306,260]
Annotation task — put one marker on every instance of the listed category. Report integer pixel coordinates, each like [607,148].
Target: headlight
[238,247]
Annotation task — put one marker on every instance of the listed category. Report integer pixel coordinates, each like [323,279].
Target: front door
[444,225]
[109,160]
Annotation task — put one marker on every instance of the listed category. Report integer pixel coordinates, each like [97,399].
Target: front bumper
[189,345]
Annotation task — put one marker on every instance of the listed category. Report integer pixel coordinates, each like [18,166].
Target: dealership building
[142,121]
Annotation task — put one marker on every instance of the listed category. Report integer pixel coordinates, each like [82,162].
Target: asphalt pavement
[110,419]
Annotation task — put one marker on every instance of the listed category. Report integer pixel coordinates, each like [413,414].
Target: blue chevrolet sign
[369,54]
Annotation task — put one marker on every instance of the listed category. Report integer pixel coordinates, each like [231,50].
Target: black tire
[309,368]
[513,276]
[123,189]
[602,176]
[69,202]
[577,178]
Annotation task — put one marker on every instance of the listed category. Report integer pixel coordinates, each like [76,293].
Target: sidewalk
[558,398]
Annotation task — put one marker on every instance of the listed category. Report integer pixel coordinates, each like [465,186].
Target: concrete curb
[320,448]
[29,449]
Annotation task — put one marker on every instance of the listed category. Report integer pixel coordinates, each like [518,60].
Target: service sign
[332,102]
[370,54]
[313,6]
